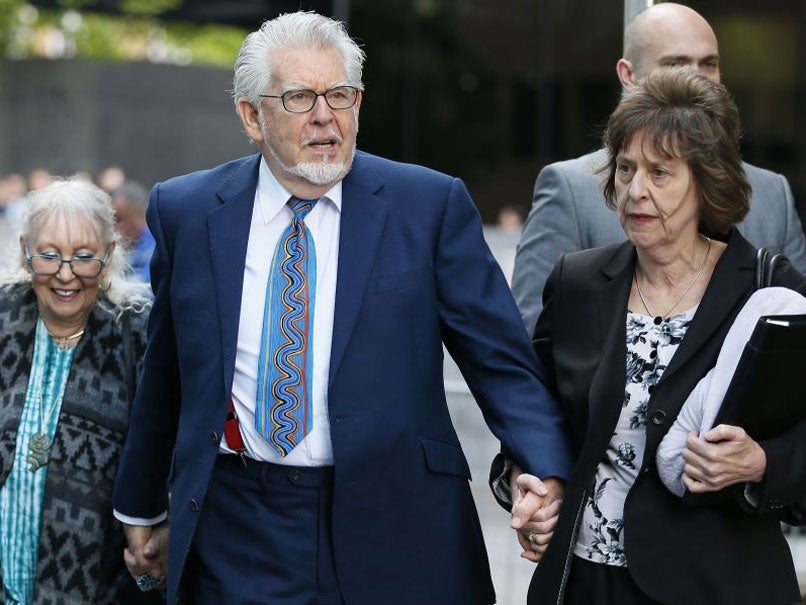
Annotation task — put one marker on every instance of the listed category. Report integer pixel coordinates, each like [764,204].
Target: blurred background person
[82,175]
[72,333]
[656,310]
[111,178]
[509,219]
[39,178]
[130,202]
[13,188]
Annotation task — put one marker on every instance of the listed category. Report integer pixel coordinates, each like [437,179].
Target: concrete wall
[156,121]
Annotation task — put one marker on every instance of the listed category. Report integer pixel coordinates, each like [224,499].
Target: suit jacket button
[194,506]
[294,475]
[659,417]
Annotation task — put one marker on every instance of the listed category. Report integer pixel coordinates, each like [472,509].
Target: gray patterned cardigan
[80,543]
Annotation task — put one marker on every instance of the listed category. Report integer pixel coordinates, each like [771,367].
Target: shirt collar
[274,196]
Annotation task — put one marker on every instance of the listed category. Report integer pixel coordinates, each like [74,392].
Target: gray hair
[134,194]
[71,200]
[292,30]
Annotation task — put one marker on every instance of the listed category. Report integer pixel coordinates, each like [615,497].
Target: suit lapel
[724,292]
[228,228]
[729,281]
[363,214]
[607,387]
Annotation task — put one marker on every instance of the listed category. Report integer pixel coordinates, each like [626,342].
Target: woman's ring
[533,536]
[147,582]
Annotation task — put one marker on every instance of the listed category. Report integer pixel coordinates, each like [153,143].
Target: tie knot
[300,208]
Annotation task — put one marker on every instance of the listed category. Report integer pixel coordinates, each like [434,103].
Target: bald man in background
[568,211]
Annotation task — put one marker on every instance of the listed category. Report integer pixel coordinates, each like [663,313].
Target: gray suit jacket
[569,214]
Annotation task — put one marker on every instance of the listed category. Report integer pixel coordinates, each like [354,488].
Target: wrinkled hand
[147,552]
[726,455]
[535,510]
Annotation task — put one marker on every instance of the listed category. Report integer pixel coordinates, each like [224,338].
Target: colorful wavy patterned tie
[284,414]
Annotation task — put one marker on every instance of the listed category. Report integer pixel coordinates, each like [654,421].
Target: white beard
[320,174]
[317,174]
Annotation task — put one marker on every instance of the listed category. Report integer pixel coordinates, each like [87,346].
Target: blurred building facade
[488,92]
[493,95]
[155,121]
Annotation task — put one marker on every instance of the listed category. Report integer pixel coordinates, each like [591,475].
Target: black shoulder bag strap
[765,267]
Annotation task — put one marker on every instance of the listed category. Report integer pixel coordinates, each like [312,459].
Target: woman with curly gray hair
[72,332]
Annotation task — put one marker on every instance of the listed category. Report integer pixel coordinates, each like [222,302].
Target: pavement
[511,574]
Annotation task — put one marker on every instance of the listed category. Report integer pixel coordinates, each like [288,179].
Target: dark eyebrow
[669,59]
[674,58]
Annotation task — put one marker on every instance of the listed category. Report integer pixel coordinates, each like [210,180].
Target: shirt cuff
[500,484]
[753,494]
[139,521]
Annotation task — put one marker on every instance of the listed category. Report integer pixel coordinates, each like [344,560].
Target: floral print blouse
[650,347]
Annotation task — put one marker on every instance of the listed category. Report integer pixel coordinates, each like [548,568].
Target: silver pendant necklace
[660,318]
[38,451]
[40,444]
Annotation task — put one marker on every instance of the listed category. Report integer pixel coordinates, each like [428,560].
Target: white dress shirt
[270,216]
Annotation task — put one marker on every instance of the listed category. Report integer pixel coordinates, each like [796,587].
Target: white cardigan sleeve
[701,407]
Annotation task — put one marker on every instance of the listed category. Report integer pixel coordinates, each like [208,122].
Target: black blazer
[688,551]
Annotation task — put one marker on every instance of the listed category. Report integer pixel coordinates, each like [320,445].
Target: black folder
[767,394]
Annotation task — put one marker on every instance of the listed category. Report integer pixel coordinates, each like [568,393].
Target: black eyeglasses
[51,263]
[303,100]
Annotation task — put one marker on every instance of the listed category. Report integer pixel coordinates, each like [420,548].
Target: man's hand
[147,554]
[535,510]
[725,456]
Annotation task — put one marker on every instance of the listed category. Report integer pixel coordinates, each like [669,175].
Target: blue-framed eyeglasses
[51,263]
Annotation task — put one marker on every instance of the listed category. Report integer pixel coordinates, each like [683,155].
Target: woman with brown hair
[626,333]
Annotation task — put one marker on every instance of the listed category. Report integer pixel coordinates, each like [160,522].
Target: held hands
[535,509]
[147,555]
[726,455]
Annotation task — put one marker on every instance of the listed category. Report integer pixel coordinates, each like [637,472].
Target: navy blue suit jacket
[414,272]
